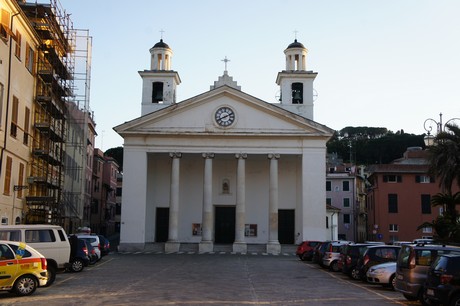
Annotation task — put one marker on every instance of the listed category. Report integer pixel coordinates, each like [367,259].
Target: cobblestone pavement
[219,278]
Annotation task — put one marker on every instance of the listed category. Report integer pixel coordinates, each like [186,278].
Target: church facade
[224,167]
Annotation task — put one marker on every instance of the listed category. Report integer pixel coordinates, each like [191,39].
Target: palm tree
[445,158]
[444,161]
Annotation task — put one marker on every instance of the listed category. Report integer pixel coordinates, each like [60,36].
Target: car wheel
[455,301]
[392,282]
[77,265]
[424,300]
[335,266]
[305,257]
[355,274]
[25,285]
[51,276]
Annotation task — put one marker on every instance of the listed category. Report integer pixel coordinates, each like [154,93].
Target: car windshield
[404,254]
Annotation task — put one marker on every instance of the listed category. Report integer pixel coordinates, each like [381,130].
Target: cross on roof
[295,34]
[225,60]
[162,31]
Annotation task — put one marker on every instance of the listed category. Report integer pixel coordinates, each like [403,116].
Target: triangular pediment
[196,116]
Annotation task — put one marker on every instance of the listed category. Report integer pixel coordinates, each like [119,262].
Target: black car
[104,245]
[374,255]
[349,257]
[79,257]
[442,285]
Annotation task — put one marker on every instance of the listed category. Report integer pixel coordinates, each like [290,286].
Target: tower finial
[295,34]
[225,60]
[162,31]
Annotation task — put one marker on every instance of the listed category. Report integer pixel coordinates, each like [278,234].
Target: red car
[305,250]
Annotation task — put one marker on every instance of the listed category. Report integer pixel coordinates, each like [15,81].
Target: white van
[50,240]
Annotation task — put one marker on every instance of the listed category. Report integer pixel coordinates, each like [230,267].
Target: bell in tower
[296,83]
[160,82]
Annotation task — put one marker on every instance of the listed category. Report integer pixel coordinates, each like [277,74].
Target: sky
[392,63]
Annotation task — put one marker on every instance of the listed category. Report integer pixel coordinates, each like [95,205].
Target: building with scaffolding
[57,122]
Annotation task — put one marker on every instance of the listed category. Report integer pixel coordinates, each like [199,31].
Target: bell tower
[160,82]
[296,83]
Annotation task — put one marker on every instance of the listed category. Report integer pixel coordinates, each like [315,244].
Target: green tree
[445,166]
[117,154]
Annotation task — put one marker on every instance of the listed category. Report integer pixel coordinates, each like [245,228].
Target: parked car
[382,274]
[50,240]
[442,284]
[332,255]
[305,250]
[105,245]
[349,257]
[79,257]
[318,252]
[94,241]
[412,266]
[374,255]
[22,268]
[91,253]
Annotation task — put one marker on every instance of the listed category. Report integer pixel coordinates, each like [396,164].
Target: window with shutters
[26,126]
[7,184]
[5,26]
[17,48]
[426,204]
[14,117]
[393,203]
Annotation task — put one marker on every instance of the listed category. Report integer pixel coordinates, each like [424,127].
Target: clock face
[224,116]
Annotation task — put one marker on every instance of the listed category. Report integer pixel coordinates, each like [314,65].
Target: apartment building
[39,75]
[399,199]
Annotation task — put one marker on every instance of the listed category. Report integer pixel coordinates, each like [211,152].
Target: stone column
[273,245]
[206,244]
[240,245]
[172,245]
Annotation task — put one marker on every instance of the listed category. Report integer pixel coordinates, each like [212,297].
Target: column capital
[241,155]
[273,155]
[175,154]
[207,155]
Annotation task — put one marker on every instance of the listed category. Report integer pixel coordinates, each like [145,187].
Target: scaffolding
[53,197]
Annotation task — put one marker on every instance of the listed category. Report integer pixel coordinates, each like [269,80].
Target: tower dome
[295,44]
[161,55]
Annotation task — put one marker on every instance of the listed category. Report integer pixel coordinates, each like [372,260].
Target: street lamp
[428,126]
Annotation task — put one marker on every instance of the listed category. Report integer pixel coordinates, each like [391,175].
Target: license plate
[430,292]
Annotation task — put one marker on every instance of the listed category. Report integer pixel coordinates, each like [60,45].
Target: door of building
[286,229]
[224,224]
[162,224]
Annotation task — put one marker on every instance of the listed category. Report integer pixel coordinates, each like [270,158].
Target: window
[39,236]
[427,230]
[14,117]
[95,207]
[346,186]
[392,178]
[25,141]
[4,220]
[328,186]
[4,26]
[346,202]
[328,201]
[7,185]
[424,179]
[346,218]
[30,58]
[297,93]
[392,203]
[327,222]
[426,204]
[17,49]
[393,228]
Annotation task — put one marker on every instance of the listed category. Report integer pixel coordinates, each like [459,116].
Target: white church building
[224,167]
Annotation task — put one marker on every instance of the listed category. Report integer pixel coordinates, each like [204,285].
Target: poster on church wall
[196,229]
[250,230]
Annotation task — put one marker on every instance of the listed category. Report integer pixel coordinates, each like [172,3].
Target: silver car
[382,274]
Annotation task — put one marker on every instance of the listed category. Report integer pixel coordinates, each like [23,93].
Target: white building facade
[223,167]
